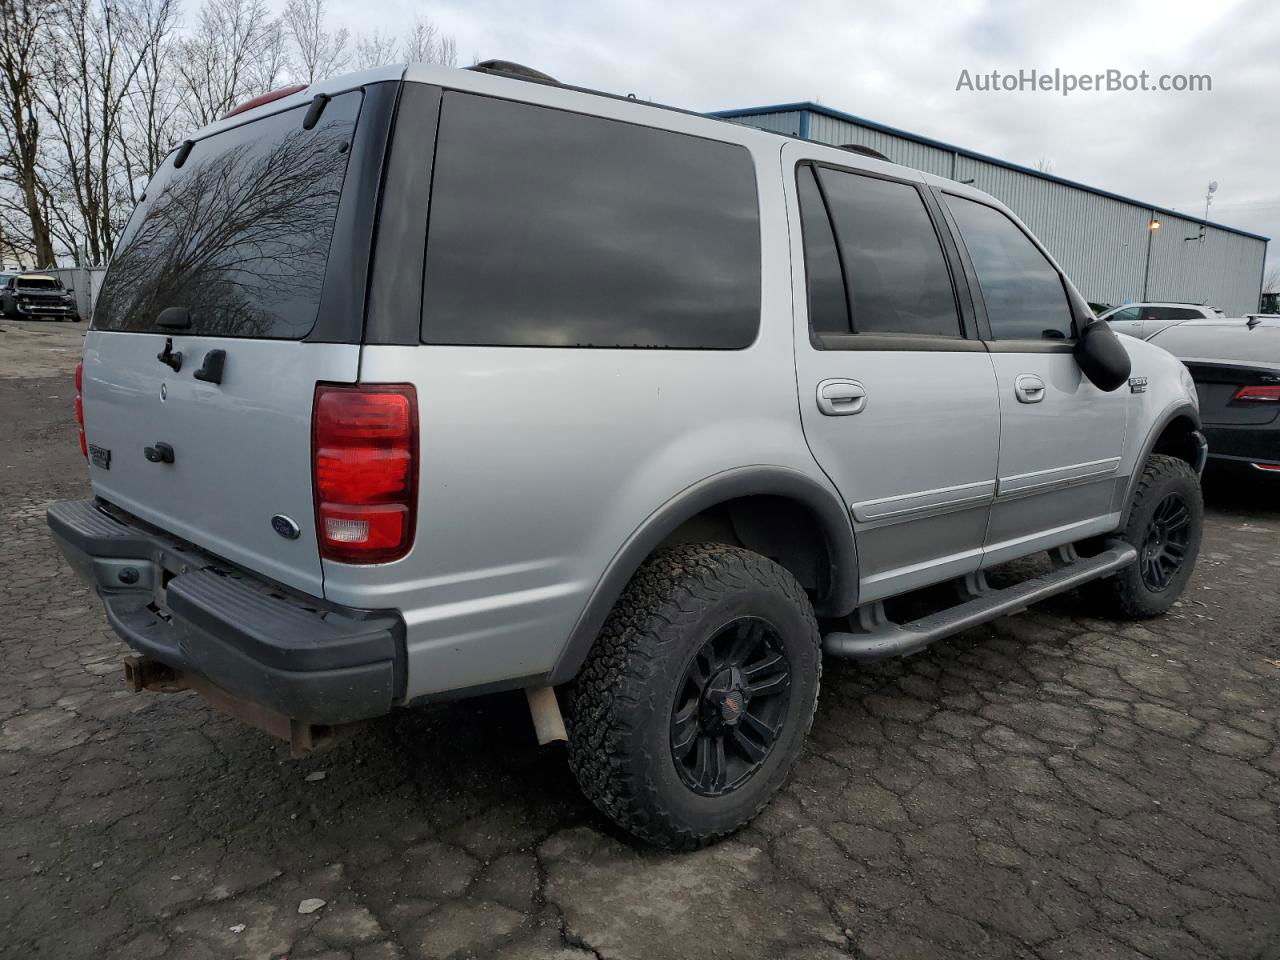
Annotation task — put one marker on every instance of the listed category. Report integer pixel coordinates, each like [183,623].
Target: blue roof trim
[808,106]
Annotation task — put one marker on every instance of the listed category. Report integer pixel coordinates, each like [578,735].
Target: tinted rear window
[555,229]
[239,235]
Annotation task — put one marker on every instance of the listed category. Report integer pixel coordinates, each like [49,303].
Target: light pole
[1152,227]
[1208,196]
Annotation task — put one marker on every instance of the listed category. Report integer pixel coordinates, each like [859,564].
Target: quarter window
[828,308]
[895,272]
[555,229]
[1023,293]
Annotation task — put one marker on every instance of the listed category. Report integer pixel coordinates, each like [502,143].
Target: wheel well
[1177,439]
[785,530]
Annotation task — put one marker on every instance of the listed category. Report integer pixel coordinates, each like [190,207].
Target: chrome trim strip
[912,505]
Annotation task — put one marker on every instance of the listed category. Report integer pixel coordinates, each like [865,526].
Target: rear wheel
[692,707]
[1166,523]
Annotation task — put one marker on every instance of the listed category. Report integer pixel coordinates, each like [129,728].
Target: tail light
[258,101]
[1267,467]
[1258,394]
[364,461]
[84,444]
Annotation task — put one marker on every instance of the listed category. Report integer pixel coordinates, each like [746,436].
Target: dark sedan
[1236,367]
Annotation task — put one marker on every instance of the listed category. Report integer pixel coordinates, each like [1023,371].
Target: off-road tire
[618,709]
[1126,595]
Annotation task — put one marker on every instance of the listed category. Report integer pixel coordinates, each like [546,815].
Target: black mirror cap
[1103,357]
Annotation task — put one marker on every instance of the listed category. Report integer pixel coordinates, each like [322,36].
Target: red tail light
[1267,394]
[259,100]
[84,444]
[1267,467]
[364,461]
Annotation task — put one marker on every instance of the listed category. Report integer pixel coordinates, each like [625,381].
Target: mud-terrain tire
[659,691]
[1166,524]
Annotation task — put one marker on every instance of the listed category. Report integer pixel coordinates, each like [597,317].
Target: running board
[878,638]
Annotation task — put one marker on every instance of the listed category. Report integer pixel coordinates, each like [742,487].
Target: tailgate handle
[160,453]
[168,357]
[211,367]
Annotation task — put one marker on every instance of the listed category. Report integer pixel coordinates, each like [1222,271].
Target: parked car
[36,296]
[599,400]
[1144,320]
[1236,367]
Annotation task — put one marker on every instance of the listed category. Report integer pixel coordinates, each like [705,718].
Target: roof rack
[864,150]
[517,71]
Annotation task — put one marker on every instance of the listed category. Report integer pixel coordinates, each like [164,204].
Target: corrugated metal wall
[1100,241]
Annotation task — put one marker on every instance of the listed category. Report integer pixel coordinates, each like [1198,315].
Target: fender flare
[1173,412]
[826,505]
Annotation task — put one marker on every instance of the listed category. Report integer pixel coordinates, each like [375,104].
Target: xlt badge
[1137,384]
[100,456]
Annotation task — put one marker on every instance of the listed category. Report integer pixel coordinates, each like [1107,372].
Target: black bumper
[301,657]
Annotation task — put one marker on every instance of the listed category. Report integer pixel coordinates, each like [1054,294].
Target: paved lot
[1049,787]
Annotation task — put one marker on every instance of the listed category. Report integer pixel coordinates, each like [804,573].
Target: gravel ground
[1051,786]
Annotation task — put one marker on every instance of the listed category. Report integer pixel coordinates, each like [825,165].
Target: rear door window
[1024,295]
[555,229]
[895,272]
[238,235]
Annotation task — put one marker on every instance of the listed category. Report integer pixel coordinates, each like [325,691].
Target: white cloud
[898,64]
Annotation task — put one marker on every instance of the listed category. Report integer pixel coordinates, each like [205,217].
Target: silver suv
[424,383]
[1145,320]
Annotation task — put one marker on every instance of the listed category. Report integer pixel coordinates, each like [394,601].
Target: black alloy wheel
[730,706]
[1168,537]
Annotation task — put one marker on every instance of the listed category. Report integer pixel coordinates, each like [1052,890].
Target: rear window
[239,235]
[554,229]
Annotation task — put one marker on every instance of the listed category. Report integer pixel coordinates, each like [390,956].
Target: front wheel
[692,707]
[1166,524]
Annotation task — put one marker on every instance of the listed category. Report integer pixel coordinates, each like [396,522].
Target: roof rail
[864,150]
[517,71]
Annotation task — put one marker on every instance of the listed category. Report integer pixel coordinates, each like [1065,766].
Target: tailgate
[241,448]
[235,288]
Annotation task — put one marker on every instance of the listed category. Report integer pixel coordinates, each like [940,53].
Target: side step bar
[878,638]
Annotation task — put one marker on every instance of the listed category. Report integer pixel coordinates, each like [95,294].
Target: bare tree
[150,126]
[376,48]
[1044,165]
[1272,282]
[236,51]
[319,52]
[424,43]
[22,27]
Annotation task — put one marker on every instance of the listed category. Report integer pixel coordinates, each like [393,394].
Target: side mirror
[1102,357]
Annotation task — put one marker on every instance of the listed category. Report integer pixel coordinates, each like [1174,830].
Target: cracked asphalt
[1050,786]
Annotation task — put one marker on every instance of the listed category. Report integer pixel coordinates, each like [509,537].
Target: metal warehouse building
[1101,239]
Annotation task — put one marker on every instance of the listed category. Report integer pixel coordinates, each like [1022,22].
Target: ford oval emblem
[285,527]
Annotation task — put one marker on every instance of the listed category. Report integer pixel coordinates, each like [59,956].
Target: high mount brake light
[1257,394]
[364,462]
[84,444]
[264,98]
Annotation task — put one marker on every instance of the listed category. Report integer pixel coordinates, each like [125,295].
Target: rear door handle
[1028,388]
[840,398]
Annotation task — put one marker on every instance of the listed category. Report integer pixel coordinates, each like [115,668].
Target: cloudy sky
[899,63]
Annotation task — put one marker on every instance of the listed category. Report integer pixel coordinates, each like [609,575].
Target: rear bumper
[298,656]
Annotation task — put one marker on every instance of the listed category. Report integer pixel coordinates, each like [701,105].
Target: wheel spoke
[768,686]
[753,751]
[764,733]
[747,637]
[684,730]
[709,770]
[770,664]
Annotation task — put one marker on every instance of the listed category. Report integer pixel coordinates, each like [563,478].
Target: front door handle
[840,398]
[1028,388]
